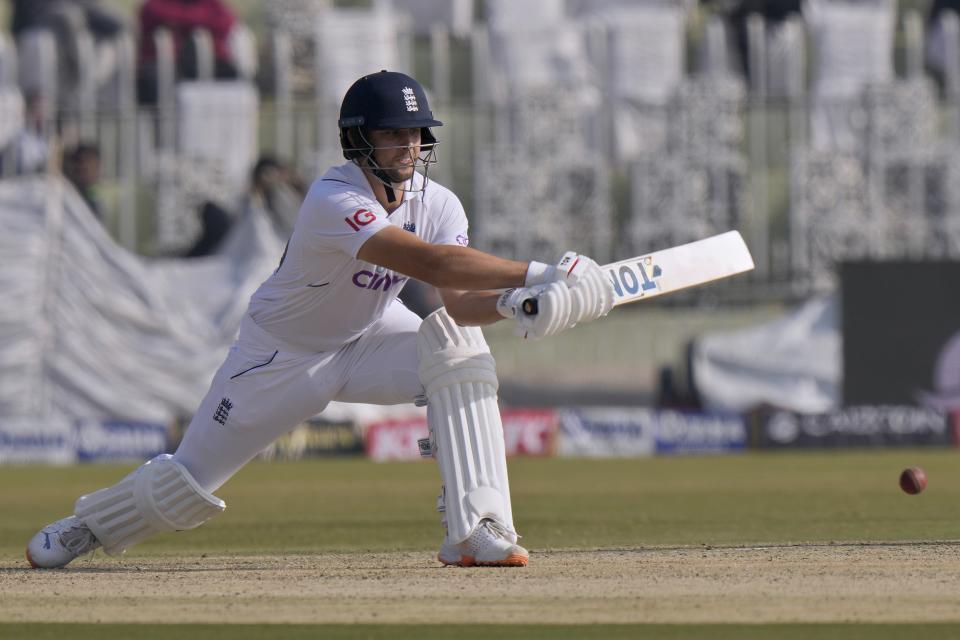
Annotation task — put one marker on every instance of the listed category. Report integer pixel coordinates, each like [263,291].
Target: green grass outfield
[354,505]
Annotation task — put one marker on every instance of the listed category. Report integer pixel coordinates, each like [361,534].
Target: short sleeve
[340,219]
[453,228]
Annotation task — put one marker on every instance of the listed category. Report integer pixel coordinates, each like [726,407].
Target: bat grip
[530,306]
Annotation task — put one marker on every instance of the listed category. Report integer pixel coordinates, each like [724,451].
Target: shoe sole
[446,563]
[512,560]
[30,560]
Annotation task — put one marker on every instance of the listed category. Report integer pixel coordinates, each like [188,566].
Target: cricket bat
[674,269]
[678,268]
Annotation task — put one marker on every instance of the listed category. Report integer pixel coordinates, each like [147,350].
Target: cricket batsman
[327,325]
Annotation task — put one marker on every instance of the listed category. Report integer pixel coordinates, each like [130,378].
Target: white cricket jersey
[321,296]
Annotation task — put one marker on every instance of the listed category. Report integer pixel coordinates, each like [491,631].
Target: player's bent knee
[159,496]
[451,354]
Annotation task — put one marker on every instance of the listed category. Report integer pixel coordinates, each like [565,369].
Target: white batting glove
[542,273]
[570,269]
[509,302]
[539,311]
[591,290]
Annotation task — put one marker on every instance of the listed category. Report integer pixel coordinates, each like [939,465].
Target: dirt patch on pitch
[808,583]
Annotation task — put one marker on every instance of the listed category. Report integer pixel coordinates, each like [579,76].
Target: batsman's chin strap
[381,175]
[387,185]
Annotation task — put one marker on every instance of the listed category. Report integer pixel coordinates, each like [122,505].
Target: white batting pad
[460,378]
[157,497]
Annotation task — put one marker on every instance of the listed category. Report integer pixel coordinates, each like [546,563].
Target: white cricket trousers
[265,389]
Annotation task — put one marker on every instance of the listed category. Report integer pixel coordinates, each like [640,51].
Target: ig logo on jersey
[360,218]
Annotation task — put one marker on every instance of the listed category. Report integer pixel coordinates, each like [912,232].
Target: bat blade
[678,268]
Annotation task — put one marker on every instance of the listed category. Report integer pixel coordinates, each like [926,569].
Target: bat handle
[530,306]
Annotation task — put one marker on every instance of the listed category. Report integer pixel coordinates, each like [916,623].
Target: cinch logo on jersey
[360,218]
[463,240]
[373,282]
[410,226]
[410,99]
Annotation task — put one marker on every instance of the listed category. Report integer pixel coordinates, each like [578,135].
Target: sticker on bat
[637,277]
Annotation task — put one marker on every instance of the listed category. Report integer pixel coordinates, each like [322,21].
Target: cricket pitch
[870,582]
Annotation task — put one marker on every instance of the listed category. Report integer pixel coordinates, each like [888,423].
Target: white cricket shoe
[57,544]
[487,546]
[449,553]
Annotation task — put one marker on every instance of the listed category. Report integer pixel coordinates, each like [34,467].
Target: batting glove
[539,311]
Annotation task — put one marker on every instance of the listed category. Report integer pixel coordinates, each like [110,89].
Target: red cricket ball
[913,480]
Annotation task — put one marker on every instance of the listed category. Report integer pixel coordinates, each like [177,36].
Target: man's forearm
[464,268]
[473,308]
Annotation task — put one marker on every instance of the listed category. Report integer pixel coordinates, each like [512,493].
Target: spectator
[278,189]
[28,151]
[67,19]
[81,165]
[215,224]
[75,14]
[935,46]
[937,7]
[181,18]
[772,11]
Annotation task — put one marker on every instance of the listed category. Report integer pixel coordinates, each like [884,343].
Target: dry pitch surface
[898,582]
